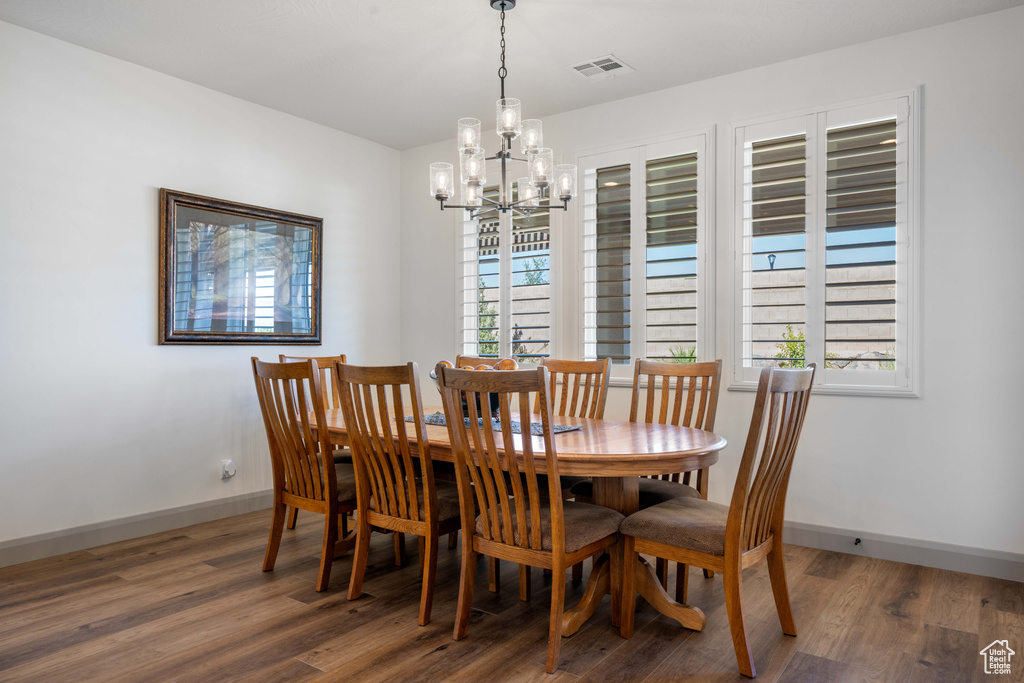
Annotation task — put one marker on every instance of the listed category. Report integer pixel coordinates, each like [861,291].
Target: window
[825,259]
[644,253]
[506,285]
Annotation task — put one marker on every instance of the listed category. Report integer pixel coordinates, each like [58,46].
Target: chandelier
[545,182]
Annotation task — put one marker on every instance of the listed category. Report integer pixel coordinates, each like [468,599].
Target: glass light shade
[541,166]
[471,195]
[528,194]
[533,135]
[469,134]
[510,120]
[565,181]
[474,167]
[442,180]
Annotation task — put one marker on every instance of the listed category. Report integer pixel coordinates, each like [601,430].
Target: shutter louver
[531,285]
[671,250]
[860,246]
[777,189]
[613,261]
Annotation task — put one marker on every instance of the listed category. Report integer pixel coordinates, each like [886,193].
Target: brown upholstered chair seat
[682,522]
[584,524]
[346,476]
[447,500]
[652,491]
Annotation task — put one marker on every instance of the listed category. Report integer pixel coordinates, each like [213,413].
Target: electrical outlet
[227,469]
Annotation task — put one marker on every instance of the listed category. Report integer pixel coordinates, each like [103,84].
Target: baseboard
[959,558]
[91,535]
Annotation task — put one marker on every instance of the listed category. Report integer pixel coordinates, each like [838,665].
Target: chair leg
[327,555]
[453,539]
[734,607]
[493,574]
[276,529]
[682,582]
[777,574]
[616,583]
[702,488]
[422,547]
[628,587]
[355,582]
[399,549]
[525,572]
[293,516]
[557,610]
[428,556]
[577,572]
[465,604]
[661,570]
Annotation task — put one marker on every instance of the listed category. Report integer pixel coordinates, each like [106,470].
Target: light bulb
[474,166]
[468,138]
[566,181]
[442,181]
[540,167]
[508,119]
[471,193]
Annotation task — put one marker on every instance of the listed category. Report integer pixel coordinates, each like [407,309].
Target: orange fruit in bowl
[507,364]
[483,366]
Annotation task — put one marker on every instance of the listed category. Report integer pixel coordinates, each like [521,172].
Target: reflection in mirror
[240,274]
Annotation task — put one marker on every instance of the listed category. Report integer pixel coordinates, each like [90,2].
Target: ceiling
[401,72]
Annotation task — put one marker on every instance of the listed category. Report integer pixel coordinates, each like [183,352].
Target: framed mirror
[237,274]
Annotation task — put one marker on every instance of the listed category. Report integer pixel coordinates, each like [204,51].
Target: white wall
[946,467]
[98,422]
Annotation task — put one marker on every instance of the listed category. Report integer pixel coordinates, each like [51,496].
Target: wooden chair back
[682,394]
[327,382]
[375,402]
[288,393]
[584,386]
[510,507]
[759,497]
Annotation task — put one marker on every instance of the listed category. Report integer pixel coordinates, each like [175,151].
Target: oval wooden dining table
[615,454]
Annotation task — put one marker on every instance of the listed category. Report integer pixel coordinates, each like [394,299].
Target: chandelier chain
[502,72]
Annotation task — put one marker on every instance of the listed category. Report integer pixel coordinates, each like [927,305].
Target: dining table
[615,454]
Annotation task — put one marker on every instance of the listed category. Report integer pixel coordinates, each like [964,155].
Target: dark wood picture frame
[212,298]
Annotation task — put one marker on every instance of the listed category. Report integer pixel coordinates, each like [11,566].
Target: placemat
[536,428]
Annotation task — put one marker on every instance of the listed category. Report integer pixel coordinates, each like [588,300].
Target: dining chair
[325,364]
[395,484]
[578,388]
[305,476]
[681,394]
[516,522]
[730,538]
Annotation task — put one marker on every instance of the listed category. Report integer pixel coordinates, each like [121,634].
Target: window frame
[814,124]
[637,154]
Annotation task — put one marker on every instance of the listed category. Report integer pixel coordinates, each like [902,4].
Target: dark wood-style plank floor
[193,605]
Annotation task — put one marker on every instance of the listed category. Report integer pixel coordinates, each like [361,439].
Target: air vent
[602,67]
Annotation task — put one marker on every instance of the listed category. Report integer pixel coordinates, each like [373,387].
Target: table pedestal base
[647,585]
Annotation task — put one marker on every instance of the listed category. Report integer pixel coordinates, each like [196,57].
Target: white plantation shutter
[505,285]
[643,254]
[825,266]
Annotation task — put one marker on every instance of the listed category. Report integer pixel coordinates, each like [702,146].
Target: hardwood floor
[193,605]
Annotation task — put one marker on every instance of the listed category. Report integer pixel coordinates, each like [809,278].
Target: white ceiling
[401,72]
